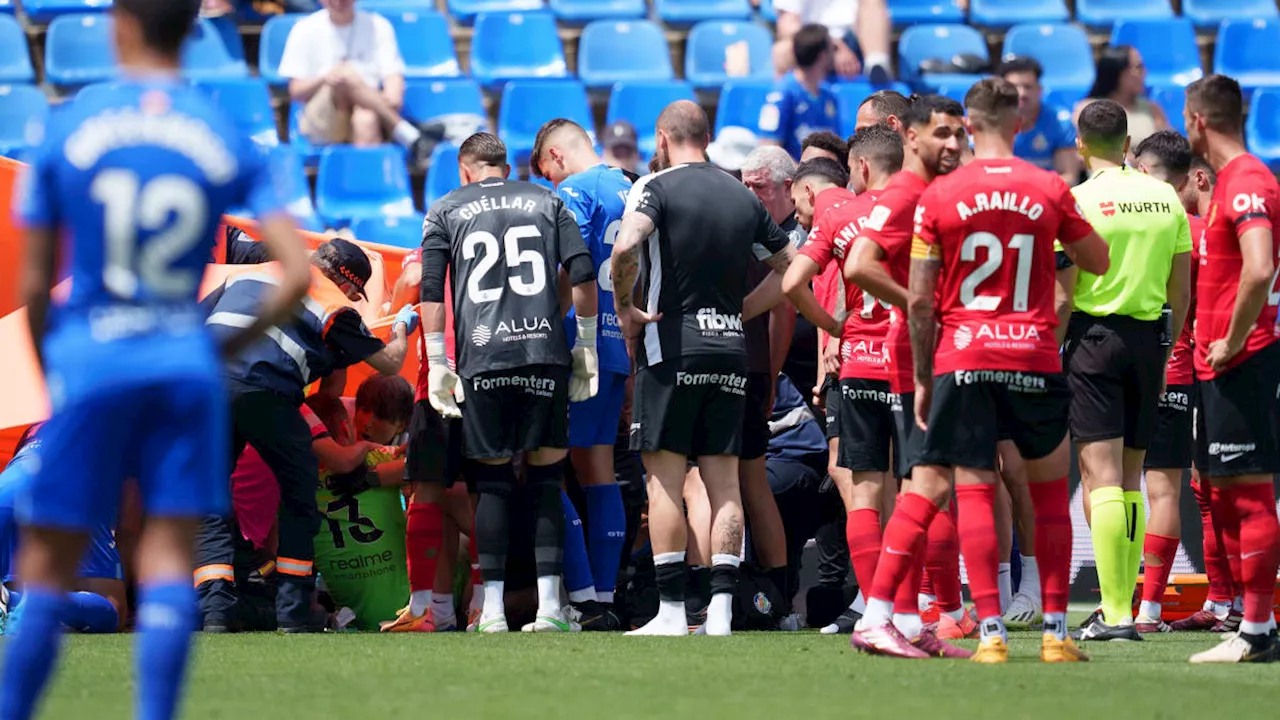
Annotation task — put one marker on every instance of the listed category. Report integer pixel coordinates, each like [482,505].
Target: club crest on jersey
[511,330]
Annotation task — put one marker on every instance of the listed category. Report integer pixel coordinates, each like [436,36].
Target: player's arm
[1256,273]
[333,384]
[921,318]
[1064,292]
[37,282]
[796,285]
[444,388]
[1083,246]
[1178,292]
[782,327]
[625,262]
[865,268]
[578,208]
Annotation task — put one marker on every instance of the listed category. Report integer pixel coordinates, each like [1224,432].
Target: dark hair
[880,145]
[330,409]
[1112,63]
[888,103]
[388,397]
[828,141]
[809,43]
[1020,64]
[1103,126]
[1217,98]
[548,129]
[165,23]
[990,100]
[483,148]
[1169,148]
[1199,163]
[684,121]
[824,168]
[924,106]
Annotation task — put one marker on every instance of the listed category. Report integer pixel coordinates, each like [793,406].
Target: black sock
[494,483]
[780,579]
[700,587]
[548,533]
[671,578]
[724,579]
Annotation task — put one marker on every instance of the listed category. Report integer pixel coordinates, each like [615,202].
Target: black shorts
[1241,410]
[908,439]
[755,417]
[866,425]
[1114,367]
[692,406]
[1172,445]
[832,405]
[435,447]
[970,406]
[508,411]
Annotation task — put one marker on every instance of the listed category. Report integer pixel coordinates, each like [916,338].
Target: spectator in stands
[827,144]
[800,102]
[859,29]
[620,147]
[1048,137]
[345,66]
[1122,77]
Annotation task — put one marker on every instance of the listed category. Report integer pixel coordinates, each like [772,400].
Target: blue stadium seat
[740,103]
[394,6]
[362,182]
[271,47]
[581,11]
[92,91]
[768,12]
[20,105]
[640,104]
[247,101]
[528,104]
[1006,13]
[43,11]
[1209,13]
[1171,98]
[1168,49]
[401,232]
[427,99]
[913,12]
[205,55]
[229,29]
[7,7]
[1262,128]
[78,50]
[310,154]
[1063,50]
[943,42]
[688,12]
[1106,12]
[425,43]
[613,51]
[15,58]
[851,95]
[466,11]
[511,46]
[957,87]
[442,176]
[1249,51]
[704,52]
[298,195]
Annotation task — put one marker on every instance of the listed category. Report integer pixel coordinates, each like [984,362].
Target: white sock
[583,595]
[957,614]
[859,604]
[870,60]
[671,611]
[405,134]
[1056,624]
[1149,609]
[909,624]
[1005,579]
[994,627]
[878,613]
[548,594]
[605,597]
[442,607]
[721,608]
[924,602]
[494,602]
[1029,584]
[419,601]
[1255,628]
[477,597]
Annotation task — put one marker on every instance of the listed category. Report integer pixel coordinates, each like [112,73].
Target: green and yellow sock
[1111,551]
[1136,514]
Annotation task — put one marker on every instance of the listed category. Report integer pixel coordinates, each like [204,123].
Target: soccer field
[598,676]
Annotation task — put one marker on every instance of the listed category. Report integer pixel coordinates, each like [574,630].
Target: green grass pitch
[596,676]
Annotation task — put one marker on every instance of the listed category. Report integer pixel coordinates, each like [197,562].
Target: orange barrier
[1185,594]
[10,238]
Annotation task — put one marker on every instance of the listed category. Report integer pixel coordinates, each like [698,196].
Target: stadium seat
[15,58]
[528,104]
[78,50]
[704,53]
[43,11]
[271,47]
[362,182]
[1262,128]
[6,7]
[613,51]
[466,11]
[1106,12]
[688,12]
[19,106]
[382,6]
[442,176]
[1171,98]
[582,11]
[640,104]
[247,101]
[511,46]
[310,154]
[1063,50]
[298,197]
[229,29]
[851,95]
[427,99]
[401,232]
[205,55]
[913,12]
[90,92]
[768,12]
[943,42]
[1210,13]
[1249,51]
[740,103]
[1168,49]
[425,43]
[1006,13]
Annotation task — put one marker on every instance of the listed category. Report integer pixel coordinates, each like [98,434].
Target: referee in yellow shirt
[1117,343]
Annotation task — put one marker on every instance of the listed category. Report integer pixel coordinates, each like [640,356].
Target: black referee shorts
[1114,367]
[435,447]
[691,406]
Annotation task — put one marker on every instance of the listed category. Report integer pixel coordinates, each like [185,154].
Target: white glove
[444,388]
[584,383]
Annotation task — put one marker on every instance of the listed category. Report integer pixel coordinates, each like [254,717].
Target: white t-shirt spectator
[837,15]
[316,45]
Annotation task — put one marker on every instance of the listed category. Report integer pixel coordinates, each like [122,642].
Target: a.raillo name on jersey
[503,202]
[1007,201]
[513,330]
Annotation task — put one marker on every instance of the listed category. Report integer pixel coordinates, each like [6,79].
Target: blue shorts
[101,559]
[595,421]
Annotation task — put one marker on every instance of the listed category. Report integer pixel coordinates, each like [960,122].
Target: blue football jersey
[597,198]
[790,114]
[1052,132]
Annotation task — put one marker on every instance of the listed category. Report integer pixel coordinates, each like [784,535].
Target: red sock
[906,600]
[862,530]
[424,536]
[942,561]
[1259,547]
[1051,502]
[926,582]
[980,546]
[1221,583]
[1225,515]
[1156,577]
[903,541]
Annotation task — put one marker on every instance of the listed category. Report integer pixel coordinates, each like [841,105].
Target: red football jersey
[1181,370]
[1246,197]
[826,285]
[862,341]
[890,225]
[992,223]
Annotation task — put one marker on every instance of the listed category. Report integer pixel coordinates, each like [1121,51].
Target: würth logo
[1108,208]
